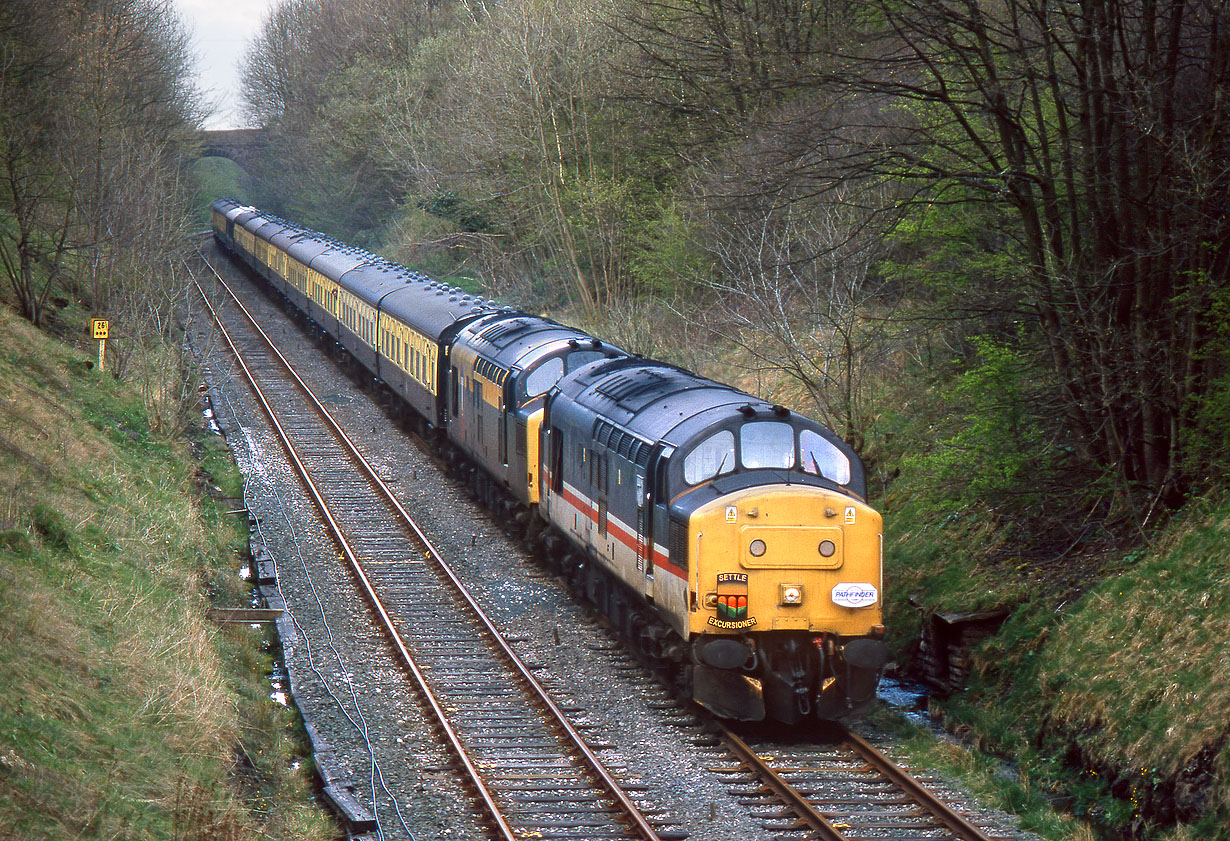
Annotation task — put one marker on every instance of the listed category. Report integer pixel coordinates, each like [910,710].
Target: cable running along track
[529,769]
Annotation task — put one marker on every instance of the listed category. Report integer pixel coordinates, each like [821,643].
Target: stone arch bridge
[244,146]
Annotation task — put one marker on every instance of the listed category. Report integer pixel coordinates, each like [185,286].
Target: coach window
[544,376]
[767,444]
[821,456]
[711,457]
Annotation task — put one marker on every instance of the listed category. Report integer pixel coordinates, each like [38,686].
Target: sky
[221,31]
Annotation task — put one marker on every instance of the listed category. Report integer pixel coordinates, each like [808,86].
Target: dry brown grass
[118,714]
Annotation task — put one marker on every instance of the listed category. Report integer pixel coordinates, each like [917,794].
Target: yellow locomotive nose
[807,559]
[791,546]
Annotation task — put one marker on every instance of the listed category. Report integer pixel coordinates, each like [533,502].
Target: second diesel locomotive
[728,538]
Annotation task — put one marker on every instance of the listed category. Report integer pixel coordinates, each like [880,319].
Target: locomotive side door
[508,403]
[651,514]
[546,472]
[641,502]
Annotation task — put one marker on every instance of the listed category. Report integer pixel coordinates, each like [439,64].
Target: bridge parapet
[244,146]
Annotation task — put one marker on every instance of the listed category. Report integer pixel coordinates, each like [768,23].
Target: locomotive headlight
[791,594]
[711,600]
[757,548]
[827,548]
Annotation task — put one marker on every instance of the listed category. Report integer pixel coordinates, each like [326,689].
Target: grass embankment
[1108,686]
[123,712]
[215,178]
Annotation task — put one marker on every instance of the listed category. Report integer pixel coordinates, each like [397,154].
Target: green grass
[122,710]
[1113,697]
[216,178]
[1140,666]
[989,779]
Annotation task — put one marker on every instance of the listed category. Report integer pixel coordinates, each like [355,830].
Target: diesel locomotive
[728,538]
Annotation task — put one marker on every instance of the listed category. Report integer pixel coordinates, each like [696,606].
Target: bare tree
[275,70]
[706,73]
[91,98]
[133,109]
[1102,128]
[528,124]
[797,291]
[35,240]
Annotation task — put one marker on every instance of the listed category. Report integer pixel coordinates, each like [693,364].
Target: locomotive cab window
[821,456]
[583,357]
[767,444]
[711,457]
[544,376]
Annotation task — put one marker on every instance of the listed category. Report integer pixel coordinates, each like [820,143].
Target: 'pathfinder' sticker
[855,595]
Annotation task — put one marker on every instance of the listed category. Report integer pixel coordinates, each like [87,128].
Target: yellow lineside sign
[99,327]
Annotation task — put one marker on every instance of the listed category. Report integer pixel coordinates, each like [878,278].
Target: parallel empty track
[843,792]
[530,771]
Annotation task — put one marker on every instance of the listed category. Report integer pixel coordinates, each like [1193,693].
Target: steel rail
[951,821]
[604,776]
[825,829]
[370,595]
[803,808]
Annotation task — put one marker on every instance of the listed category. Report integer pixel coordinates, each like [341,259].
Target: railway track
[526,783]
[531,773]
[843,792]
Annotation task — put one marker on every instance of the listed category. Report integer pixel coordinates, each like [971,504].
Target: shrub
[998,450]
[50,525]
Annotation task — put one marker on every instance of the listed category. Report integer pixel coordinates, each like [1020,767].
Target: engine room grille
[678,543]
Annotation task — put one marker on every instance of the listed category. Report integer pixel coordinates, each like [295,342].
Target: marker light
[827,548]
[757,548]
